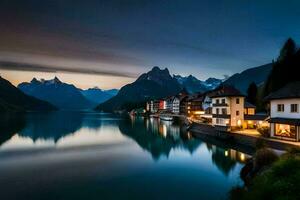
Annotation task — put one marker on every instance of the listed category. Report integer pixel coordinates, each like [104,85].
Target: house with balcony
[172,104]
[284,112]
[227,108]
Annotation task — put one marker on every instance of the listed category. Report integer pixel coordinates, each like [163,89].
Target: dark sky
[123,38]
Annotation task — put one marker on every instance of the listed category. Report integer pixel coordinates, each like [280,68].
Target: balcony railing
[220,104]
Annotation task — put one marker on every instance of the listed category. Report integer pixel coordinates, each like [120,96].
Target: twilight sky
[109,43]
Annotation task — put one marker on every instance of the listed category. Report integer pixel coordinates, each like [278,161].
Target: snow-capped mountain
[62,95]
[194,85]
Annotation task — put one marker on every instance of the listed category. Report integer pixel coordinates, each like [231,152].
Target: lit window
[285,130]
[237,101]
[280,107]
[294,108]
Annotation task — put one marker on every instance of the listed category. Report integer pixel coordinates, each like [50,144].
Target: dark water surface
[72,155]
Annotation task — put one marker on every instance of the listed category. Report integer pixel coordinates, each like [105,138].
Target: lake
[82,155]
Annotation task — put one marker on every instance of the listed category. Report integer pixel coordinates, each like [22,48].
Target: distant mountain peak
[34,80]
[157,75]
[56,80]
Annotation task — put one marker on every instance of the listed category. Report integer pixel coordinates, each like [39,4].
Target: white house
[227,108]
[176,105]
[284,112]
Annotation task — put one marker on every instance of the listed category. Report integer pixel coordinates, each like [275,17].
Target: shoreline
[230,138]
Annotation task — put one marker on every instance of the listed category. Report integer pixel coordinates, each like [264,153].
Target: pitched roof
[248,105]
[226,91]
[295,122]
[291,90]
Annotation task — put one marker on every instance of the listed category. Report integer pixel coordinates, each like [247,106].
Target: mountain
[97,95]
[62,95]
[13,99]
[112,92]
[194,85]
[242,80]
[156,83]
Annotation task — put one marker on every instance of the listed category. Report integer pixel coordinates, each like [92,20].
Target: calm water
[103,156]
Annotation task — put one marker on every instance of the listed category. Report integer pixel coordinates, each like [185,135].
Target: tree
[252,93]
[285,68]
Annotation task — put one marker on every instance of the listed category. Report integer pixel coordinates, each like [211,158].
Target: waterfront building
[284,112]
[227,108]
[253,120]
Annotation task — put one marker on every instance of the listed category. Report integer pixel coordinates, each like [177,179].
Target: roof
[291,90]
[260,117]
[226,91]
[248,105]
[295,122]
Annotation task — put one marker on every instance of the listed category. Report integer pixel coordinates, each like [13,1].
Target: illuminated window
[251,111]
[294,108]
[280,107]
[285,130]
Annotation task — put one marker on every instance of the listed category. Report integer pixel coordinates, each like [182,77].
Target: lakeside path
[245,137]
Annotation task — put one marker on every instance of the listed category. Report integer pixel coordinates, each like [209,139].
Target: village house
[152,106]
[284,112]
[227,108]
[172,104]
[253,120]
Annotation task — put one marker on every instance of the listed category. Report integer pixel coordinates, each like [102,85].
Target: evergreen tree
[285,69]
[252,93]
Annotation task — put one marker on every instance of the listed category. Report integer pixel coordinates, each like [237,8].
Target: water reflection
[10,124]
[103,156]
[226,159]
[157,137]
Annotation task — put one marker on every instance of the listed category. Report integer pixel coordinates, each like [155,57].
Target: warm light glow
[239,122]
[199,112]
[226,153]
[250,122]
[242,157]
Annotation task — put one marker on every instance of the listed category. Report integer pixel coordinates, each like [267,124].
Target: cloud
[21,66]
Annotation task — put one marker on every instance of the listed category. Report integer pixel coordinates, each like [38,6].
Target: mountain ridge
[62,95]
[13,99]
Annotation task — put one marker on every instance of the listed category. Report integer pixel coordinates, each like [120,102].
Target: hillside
[12,99]
[156,83]
[257,75]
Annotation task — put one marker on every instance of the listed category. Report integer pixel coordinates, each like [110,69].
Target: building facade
[285,113]
[227,108]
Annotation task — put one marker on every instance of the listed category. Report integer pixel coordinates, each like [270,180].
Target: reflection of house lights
[199,112]
[242,157]
[164,130]
[226,153]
